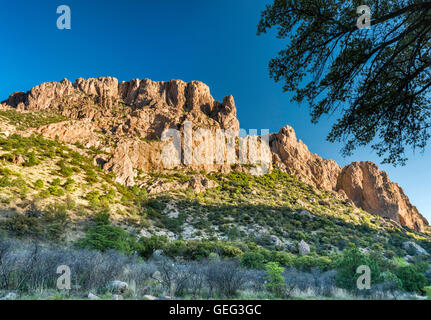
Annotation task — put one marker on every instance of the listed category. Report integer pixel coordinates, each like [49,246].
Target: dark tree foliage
[377,79]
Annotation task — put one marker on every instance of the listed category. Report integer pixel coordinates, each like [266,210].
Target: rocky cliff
[293,156]
[125,121]
[371,189]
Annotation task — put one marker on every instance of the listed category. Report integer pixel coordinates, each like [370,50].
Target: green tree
[104,237]
[412,280]
[347,265]
[377,80]
[253,260]
[274,275]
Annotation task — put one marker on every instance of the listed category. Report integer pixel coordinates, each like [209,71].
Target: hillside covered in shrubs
[82,185]
[269,236]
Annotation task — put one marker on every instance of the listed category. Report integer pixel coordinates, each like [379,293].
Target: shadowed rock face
[126,121]
[372,190]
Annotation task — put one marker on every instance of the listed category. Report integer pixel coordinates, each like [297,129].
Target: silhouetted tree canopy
[377,80]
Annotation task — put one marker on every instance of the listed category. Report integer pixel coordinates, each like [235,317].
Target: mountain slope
[119,127]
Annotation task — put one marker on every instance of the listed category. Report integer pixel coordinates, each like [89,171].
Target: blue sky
[211,41]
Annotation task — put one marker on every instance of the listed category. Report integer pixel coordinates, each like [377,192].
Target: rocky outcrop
[303,248]
[127,119]
[360,182]
[293,156]
[370,189]
[72,132]
[414,248]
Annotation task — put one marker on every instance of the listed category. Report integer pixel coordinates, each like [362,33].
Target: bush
[38,184]
[348,264]
[23,226]
[31,267]
[253,260]
[102,218]
[321,283]
[32,160]
[391,281]
[412,280]
[274,275]
[104,237]
[225,278]
[56,191]
[65,170]
[56,219]
[148,245]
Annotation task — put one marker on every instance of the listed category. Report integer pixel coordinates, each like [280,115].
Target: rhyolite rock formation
[293,156]
[126,120]
[371,189]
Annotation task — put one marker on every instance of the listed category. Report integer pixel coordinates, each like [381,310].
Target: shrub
[148,245]
[102,218]
[32,160]
[225,278]
[274,275]
[70,203]
[56,219]
[38,184]
[155,204]
[104,237]
[428,292]
[65,170]
[91,176]
[93,195]
[348,264]
[56,191]
[391,281]
[253,260]
[412,280]
[23,226]
[69,184]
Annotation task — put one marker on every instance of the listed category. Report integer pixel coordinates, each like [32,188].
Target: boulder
[411,246]
[118,286]
[18,160]
[276,240]
[306,213]
[92,296]
[303,248]
[10,296]
[157,254]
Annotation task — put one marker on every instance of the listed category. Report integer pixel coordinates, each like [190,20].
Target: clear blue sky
[211,41]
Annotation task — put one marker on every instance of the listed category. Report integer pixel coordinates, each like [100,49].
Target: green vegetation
[253,222]
[103,237]
[411,278]
[274,274]
[30,119]
[49,224]
[348,264]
